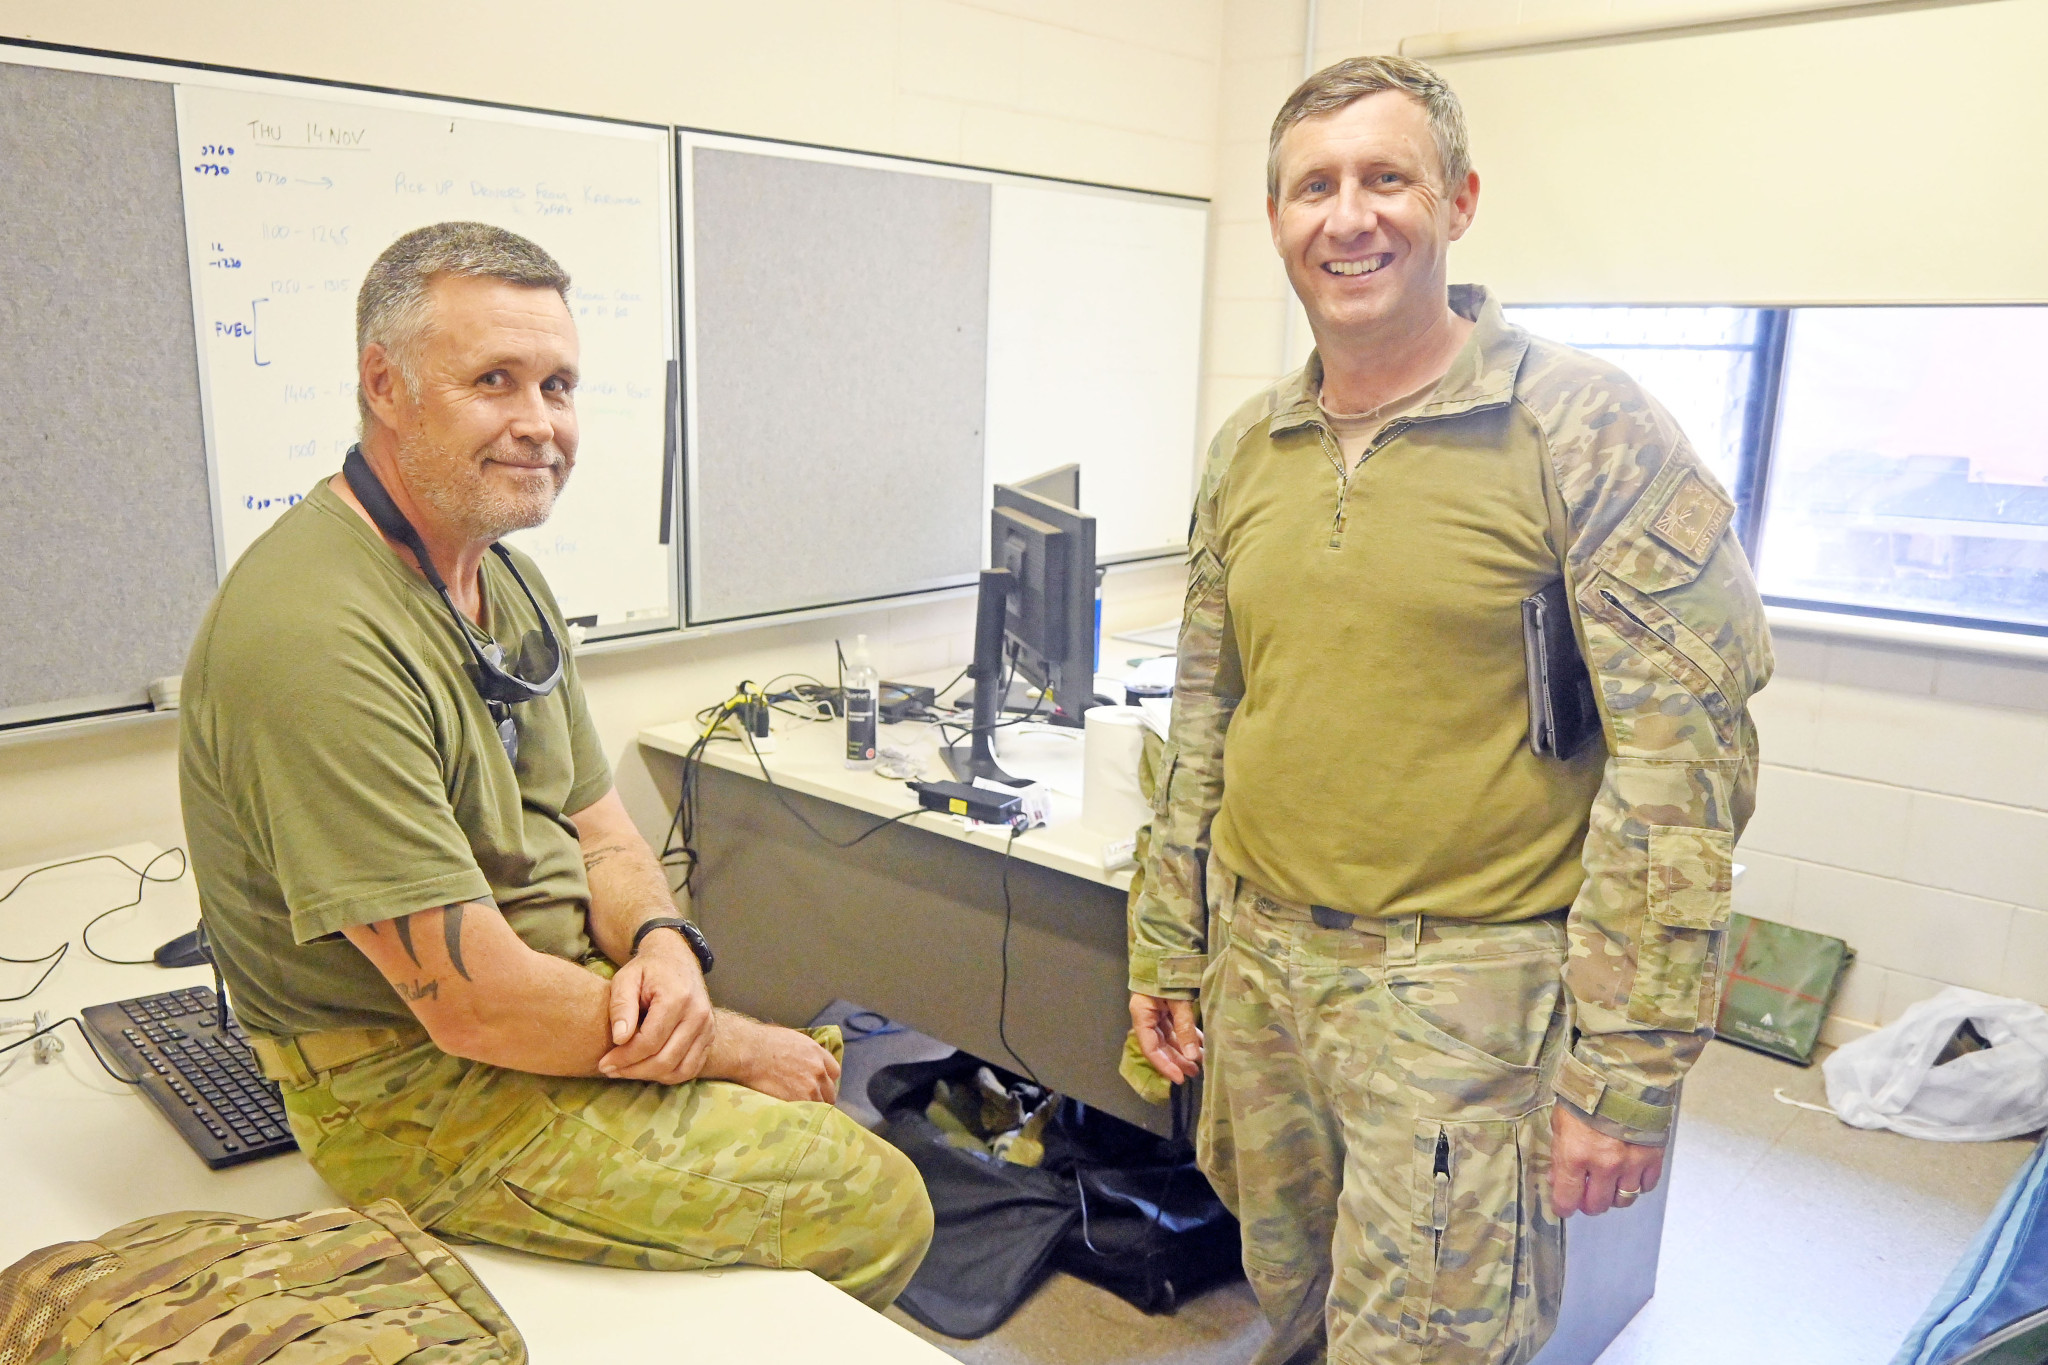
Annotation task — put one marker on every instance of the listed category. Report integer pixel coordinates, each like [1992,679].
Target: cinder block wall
[1904,808]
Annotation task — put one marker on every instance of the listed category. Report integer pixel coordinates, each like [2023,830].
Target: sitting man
[417,876]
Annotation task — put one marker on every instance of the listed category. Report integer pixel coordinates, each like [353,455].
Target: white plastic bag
[1888,1079]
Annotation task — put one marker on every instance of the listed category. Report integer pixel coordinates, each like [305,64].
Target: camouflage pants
[1377,1114]
[621,1173]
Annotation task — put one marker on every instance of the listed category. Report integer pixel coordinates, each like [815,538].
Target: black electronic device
[904,701]
[1035,620]
[186,950]
[1562,713]
[199,1072]
[976,803]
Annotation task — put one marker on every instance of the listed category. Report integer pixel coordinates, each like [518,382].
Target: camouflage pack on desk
[332,1287]
[1780,981]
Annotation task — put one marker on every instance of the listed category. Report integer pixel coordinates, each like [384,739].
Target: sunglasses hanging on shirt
[501,688]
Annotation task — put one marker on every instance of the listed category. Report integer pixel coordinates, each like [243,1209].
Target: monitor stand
[977,757]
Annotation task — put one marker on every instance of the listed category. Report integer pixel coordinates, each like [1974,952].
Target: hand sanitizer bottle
[860,706]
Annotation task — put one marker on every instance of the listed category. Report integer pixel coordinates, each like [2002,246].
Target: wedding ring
[1627,1196]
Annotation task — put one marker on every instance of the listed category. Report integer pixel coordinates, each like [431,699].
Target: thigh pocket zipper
[1469,1282]
[1440,1206]
[1434,1205]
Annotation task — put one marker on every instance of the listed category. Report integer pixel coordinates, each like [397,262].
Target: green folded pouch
[1779,984]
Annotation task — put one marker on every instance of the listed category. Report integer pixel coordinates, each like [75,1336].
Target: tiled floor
[1790,1237]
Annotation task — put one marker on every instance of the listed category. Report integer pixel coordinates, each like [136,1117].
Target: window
[1884,461]
[1910,471]
[1702,364]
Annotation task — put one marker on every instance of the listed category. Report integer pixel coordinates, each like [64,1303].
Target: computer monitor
[1035,619]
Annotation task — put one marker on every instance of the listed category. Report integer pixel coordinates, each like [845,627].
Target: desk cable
[804,820]
[55,957]
[680,842]
[45,1050]
[1181,1098]
[1003,997]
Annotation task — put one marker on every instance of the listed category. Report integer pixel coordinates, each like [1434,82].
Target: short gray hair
[393,308]
[1356,77]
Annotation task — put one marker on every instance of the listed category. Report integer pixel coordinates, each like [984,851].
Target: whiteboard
[288,200]
[1094,352]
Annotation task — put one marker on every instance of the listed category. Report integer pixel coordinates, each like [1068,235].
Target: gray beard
[455,492]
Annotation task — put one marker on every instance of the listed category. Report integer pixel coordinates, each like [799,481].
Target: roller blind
[1895,158]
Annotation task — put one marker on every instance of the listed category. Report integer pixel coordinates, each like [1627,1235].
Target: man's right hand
[1168,1036]
[661,1022]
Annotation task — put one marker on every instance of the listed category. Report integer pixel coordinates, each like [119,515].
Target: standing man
[454,950]
[1447,987]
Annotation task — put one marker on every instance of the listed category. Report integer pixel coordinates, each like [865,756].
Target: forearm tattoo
[601,854]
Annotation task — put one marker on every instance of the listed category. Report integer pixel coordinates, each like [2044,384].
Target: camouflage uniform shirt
[1673,633]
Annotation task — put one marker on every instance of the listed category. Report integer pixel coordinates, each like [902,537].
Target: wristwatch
[692,935]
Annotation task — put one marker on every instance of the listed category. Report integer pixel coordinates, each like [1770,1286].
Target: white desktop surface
[81,1154]
[810,757]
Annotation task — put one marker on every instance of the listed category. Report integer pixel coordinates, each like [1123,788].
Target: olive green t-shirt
[337,767]
[1378,761]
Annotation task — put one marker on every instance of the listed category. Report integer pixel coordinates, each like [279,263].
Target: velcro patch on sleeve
[1692,518]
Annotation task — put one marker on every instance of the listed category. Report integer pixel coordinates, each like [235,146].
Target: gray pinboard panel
[104,508]
[841,335]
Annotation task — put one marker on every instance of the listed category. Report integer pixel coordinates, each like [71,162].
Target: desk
[82,1155]
[910,921]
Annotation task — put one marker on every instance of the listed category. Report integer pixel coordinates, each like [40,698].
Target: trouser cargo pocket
[1483,1252]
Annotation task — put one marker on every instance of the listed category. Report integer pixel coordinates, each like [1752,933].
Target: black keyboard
[203,1078]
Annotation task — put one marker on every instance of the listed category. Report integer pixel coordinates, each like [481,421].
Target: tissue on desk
[1114,737]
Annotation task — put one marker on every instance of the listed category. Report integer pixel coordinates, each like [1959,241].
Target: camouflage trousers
[1377,1114]
[620,1173]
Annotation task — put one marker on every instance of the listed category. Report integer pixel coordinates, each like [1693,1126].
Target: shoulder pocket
[1691,872]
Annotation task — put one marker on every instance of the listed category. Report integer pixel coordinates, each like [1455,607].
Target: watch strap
[692,935]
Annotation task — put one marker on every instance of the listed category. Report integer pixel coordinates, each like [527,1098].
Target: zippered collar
[1482,375]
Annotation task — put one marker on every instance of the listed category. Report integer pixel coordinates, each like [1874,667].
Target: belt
[296,1060]
[1402,932]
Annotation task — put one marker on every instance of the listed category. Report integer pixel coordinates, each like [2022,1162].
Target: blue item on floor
[2000,1283]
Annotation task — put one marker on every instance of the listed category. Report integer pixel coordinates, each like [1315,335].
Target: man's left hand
[1591,1172]
[660,1014]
